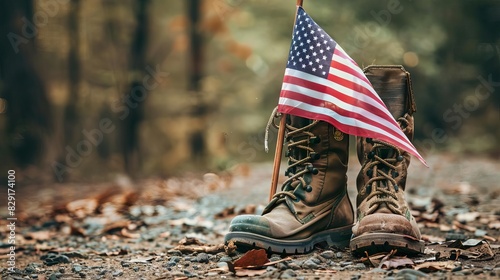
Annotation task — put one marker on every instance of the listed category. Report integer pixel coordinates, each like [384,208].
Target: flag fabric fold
[322,82]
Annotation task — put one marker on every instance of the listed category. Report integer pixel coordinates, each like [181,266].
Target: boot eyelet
[399,158]
[314,140]
[395,174]
[371,155]
[315,156]
[368,189]
[369,172]
[309,188]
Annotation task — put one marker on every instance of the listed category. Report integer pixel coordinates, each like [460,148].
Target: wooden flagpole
[279,142]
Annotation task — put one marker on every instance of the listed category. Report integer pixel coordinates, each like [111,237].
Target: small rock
[294,266]
[187,258]
[378,270]
[327,254]
[55,276]
[212,274]
[345,263]
[76,268]
[202,258]
[225,259]
[488,268]
[135,268]
[477,271]
[175,259]
[82,275]
[222,264]
[195,267]
[271,268]
[169,264]
[282,266]
[117,273]
[338,255]
[288,274]
[310,264]
[174,252]
[274,259]
[359,266]
[34,276]
[356,277]
[103,272]
[125,264]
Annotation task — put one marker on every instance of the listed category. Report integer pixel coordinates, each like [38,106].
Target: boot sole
[338,237]
[385,242]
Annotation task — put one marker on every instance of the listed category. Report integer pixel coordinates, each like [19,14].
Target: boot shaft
[393,84]
[324,150]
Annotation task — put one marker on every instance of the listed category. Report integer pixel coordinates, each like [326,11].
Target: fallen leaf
[436,266]
[39,235]
[252,258]
[82,207]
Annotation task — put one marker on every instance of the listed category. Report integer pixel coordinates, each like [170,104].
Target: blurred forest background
[94,88]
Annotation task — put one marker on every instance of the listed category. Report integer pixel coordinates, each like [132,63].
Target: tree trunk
[28,112]
[195,75]
[131,123]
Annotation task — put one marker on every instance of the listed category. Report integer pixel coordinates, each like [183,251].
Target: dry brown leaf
[210,249]
[436,266]
[252,258]
[432,238]
[125,233]
[39,235]
[250,272]
[396,262]
[82,207]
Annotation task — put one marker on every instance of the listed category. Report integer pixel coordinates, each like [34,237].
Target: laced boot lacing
[381,171]
[297,168]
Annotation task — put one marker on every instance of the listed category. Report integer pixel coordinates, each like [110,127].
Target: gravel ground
[139,231]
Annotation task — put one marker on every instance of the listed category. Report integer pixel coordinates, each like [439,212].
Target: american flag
[322,82]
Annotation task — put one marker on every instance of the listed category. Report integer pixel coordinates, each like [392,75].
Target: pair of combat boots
[313,206]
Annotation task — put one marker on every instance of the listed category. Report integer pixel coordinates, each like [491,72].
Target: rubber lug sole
[338,237]
[385,242]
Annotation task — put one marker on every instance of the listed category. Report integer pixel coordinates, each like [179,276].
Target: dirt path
[118,231]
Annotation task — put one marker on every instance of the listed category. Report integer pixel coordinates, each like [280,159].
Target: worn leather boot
[313,206]
[384,221]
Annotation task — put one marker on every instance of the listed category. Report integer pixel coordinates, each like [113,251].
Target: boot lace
[382,173]
[297,168]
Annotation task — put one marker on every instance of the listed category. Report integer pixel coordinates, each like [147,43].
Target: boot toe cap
[386,223]
[252,224]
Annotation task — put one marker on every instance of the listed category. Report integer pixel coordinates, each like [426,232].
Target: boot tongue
[299,122]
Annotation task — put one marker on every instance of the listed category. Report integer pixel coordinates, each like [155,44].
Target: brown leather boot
[384,221]
[312,206]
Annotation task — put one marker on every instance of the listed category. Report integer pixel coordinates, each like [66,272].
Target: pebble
[356,277]
[225,259]
[477,271]
[407,273]
[174,252]
[338,255]
[175,259]
[55,276]
[222,264]
[282,266]
[135,268]
[125,264]
[310,264]
[359,266]
[274,259]
[212,274]
[327,254]
[34,276]
[77,268]
[202,258]
[53,259]
[294,266]
[345,263]
[378,270]
[117,273]
[288,274]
